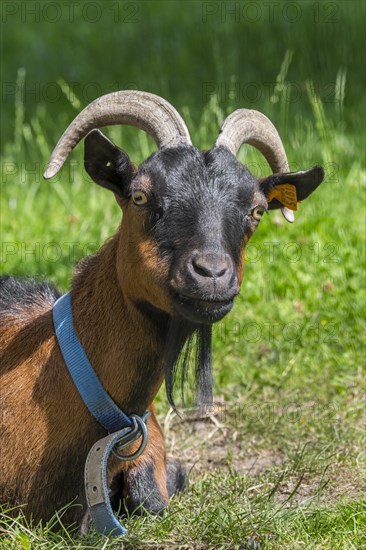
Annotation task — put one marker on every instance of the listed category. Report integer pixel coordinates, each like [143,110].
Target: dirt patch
[206,444]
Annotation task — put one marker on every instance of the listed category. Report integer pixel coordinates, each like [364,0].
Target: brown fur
[46,430]
[241,266]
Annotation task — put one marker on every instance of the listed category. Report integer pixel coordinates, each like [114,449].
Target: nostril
[200,269]
[210,265]
[221,272]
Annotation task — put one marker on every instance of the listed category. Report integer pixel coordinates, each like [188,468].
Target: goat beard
[187,343]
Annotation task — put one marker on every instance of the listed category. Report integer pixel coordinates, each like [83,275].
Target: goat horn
[248,126]
[146,111]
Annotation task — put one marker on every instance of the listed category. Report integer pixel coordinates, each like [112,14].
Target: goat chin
[200,311]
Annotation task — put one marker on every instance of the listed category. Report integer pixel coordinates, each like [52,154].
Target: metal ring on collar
[138,430]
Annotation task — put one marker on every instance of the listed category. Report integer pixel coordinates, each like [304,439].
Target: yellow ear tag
[285,194]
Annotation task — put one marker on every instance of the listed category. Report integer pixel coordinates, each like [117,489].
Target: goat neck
[124,344]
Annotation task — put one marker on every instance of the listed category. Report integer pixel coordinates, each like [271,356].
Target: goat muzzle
[205,286]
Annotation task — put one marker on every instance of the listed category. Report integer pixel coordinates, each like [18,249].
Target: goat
[172,269]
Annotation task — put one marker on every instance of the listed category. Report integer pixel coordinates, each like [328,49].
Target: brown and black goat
[172,269]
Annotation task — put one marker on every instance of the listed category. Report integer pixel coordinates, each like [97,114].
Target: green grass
[280,458]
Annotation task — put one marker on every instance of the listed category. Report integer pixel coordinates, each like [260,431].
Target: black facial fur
[199,211]
[197,201]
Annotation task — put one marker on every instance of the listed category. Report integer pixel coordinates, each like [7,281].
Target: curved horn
[146,111]
[254,128]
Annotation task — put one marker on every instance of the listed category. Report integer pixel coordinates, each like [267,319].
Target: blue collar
[123,429]
[95,397]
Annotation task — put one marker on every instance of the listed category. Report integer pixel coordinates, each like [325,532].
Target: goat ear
[107,164]
[289,189]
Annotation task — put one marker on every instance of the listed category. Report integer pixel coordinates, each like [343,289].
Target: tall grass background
[294,342]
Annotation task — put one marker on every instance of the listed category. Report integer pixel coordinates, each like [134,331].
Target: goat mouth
[202,310]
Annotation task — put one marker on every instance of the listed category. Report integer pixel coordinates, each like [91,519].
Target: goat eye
[258,212]
[139,198]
